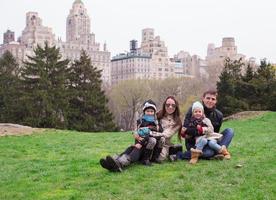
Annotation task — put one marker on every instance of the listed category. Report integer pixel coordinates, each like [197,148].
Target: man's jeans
[228,134]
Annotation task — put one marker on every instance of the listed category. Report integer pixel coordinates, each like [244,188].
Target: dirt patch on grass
[15,129]
[245,115]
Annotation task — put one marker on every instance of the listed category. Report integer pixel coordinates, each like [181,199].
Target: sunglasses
[170,105]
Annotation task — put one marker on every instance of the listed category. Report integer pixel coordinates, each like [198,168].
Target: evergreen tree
[8,88]
[254,91]
[44,82]
[245,88]
[249,74]
[265,86]
[229,100]
[88,103]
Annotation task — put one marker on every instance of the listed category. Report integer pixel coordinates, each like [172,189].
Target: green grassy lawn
[65,165]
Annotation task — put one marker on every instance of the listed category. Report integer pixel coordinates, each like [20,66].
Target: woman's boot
[146,157]
[195,155]
[155,155]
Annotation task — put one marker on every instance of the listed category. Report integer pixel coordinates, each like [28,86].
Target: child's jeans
[213,144]
[201,143]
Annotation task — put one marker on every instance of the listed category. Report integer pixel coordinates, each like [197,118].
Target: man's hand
[137,137]
[183,132]
[138,146]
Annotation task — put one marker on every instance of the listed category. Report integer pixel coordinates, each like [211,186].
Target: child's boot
[225,152]
[195,155]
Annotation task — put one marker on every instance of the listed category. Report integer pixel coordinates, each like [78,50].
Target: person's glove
[199,129]
[143,132]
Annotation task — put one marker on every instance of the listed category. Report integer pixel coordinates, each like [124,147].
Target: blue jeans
[201,143]
[228,134]
[213,144]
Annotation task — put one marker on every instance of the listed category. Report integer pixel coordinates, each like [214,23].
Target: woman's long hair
[176,114]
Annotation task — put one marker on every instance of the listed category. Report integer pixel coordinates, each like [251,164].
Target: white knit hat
[197,104]
[149,104]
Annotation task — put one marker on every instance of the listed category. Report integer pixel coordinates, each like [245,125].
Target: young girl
[205,132]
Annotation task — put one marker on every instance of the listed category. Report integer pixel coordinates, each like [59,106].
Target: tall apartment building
[35,34]
[160,63]
[134,64]
[78,37]
[15,48]
[188,66]
[216,55]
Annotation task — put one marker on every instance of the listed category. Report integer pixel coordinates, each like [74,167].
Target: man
[209,101]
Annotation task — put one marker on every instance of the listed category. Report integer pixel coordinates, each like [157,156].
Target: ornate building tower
[35,33]
[160,67]
[8,37]
[79,37]
[78,25]
[216,56]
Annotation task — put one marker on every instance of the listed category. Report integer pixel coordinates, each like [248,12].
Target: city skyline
[183,25]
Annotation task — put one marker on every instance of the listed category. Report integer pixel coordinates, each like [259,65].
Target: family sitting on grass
[155,130]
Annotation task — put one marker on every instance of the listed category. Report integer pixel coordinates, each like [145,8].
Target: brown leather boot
[224,151]
[195,155]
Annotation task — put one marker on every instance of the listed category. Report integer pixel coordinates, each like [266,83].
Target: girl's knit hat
[149,104]
[198,105]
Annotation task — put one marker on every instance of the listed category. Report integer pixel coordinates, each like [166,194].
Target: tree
[88,103]
[9,95]
[251,91]
[44,82]
[265,81]
[128,97]
[229,100]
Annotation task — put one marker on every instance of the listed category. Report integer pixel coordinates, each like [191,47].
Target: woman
[169,117]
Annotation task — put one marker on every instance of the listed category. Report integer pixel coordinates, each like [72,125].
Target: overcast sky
[183,24]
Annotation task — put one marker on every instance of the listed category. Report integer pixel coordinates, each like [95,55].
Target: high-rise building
[131,65]
[35,33]
[8,37]
[15,48]
[160,66]
[79,37]
[216,56]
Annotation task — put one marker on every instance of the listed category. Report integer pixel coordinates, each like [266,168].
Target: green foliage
[44,78]
[65,165]
[48,93]
[8,88]
[87,101]
[248,91]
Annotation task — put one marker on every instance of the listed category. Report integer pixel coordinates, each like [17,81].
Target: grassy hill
[65,165]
